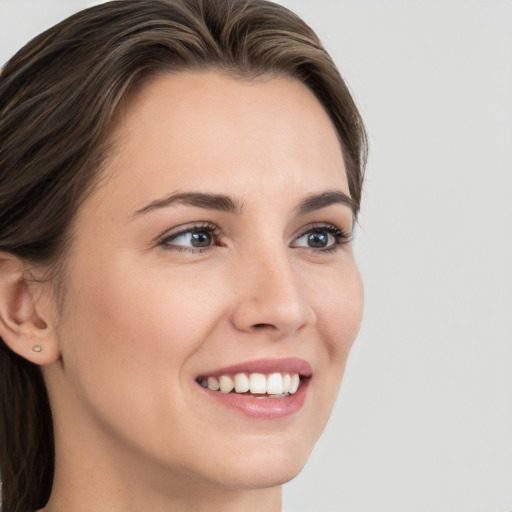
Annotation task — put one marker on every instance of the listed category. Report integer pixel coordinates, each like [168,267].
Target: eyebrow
[209,201]
[227,204]
[324,199]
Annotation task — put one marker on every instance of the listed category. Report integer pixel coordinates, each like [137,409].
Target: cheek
[126,347]
[137,324]
[137,302]
[339,312]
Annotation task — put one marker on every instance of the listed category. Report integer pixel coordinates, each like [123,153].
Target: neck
[82,485]
[118,484]
[199,501]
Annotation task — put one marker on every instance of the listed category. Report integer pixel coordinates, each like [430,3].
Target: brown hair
[58,99]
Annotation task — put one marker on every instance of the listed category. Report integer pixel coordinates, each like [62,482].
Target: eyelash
[340,237]
[211,229]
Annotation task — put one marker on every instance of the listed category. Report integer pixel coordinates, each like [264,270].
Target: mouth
[265,388]
[258,385]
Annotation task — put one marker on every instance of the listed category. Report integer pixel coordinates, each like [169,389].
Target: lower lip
[263,408]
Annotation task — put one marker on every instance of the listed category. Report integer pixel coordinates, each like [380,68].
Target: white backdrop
[424,419]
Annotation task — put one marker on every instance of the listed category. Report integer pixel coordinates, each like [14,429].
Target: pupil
[318,239]
[201,239]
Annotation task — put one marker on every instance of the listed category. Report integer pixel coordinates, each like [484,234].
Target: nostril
[264,326]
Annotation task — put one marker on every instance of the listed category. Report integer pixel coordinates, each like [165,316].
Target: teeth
[294,383]
[258,383]
[276,385]
[286,383]
[241,383]
[226,384]
[213,384]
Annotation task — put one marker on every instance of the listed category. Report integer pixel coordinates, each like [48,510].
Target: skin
[143,319]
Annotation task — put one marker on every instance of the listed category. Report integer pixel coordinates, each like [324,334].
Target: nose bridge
[269,291]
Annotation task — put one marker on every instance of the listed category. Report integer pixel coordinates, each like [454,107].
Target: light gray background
[424,418]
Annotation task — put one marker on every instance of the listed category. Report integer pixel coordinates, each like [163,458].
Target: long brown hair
[59,96]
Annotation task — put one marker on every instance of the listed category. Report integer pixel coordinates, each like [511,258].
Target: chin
[270,465]
[264,477]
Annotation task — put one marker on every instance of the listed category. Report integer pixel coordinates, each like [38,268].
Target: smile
[275,385]
[266,389]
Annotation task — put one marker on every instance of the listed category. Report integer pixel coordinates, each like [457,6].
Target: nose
[269,295]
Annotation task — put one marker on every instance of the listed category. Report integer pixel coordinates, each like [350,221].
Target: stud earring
[37,348]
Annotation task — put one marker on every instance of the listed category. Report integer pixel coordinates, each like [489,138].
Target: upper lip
[266,366]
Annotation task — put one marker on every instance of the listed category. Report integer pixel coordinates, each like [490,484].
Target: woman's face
[218,245]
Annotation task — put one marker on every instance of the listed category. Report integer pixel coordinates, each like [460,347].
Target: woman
[178,293]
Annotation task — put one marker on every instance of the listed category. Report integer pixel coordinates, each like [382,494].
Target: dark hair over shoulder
[59,96]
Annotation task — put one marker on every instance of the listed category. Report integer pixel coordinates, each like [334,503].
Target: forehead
[203,130]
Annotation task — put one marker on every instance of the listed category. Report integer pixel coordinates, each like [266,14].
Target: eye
[193,238]
[324,237]
[315,239]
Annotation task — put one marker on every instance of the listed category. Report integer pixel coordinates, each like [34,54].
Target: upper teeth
[256,383]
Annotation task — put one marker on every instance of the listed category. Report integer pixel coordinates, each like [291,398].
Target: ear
[25,326]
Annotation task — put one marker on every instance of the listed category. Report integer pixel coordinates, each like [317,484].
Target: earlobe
[23,327]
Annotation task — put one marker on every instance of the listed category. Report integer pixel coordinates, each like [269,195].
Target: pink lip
[266,366]
[263,408]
